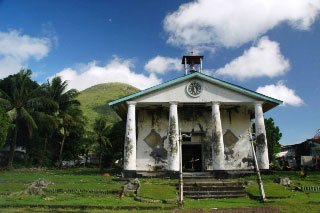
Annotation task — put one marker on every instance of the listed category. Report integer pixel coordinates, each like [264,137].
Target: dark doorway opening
[191,158]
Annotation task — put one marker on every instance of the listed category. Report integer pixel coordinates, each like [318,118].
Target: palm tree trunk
[44,150]
[13,147]
[61,148]
[100,156]
[86,158]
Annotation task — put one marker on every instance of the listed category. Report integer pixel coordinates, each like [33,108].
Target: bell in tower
[193,63]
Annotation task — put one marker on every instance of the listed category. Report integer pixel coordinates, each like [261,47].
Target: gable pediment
[210,92]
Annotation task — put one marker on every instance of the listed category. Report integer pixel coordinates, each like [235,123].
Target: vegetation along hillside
[94,100]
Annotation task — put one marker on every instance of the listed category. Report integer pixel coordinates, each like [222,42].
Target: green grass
[220,203]
[70,175]
[7,188]
[159,180]
[285,199]
[87,186]
[272,190]
[158,192]
[72,199]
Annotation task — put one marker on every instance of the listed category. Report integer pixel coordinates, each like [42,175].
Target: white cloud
[116,70]
[264,59]
[161,65]
[231,23]
[16,49]
[281,92]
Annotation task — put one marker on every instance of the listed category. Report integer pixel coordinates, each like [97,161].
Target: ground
[90,191]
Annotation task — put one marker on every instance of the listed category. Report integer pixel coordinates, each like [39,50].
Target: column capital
[258,103]
[173,102]
[131,102]
[215,103]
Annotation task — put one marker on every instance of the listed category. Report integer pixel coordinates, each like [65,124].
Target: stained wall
[152,136]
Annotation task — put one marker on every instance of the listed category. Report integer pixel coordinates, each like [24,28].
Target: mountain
[94,100]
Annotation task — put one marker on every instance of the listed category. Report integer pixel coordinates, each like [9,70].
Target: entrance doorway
[191,158]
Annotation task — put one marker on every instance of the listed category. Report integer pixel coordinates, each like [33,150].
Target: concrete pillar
[130,145]
[173,138]
[217,135]
[262,146]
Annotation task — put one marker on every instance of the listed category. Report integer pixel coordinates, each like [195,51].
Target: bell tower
[192,62]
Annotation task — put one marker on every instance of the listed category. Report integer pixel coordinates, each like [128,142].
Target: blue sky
[269,46]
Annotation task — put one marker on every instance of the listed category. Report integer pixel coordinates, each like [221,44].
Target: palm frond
[31,124]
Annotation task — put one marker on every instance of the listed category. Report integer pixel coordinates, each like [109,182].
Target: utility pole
[180,170]
[261,189]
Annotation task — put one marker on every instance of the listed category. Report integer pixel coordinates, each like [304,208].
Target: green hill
[94,100]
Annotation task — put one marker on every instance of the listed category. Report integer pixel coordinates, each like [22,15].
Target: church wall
[152,132]
[237,155]
[152,143]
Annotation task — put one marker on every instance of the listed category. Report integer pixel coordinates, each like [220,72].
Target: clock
[194,88]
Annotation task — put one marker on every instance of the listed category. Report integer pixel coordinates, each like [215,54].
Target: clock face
[194,88]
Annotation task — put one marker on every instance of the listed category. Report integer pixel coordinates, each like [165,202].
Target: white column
[173,138]
[217,135]
[130,144]
[261,146]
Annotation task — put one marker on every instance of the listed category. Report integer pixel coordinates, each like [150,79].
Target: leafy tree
[116,137]
[273,137]
[47,124]
[68,107]
[5,125]
[102,131]
[19,96]
[87,144]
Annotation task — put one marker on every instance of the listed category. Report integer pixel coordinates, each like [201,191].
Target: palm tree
[47,123]
[19,98]
[87,144]
[68,112]
[102,132]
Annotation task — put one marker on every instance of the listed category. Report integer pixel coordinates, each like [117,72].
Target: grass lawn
[272,190]
[284,198]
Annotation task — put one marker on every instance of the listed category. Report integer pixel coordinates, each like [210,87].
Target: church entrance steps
[197,174]
[208,187]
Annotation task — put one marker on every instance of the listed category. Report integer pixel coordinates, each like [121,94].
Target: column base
[129,174]
[141,174]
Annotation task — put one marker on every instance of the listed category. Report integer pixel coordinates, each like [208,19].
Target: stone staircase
[203,185]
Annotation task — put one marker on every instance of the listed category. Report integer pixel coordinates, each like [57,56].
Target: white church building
[214,117]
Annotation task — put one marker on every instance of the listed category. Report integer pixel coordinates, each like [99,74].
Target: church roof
[204,77]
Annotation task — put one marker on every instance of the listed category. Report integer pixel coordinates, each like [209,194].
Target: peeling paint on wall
[173,145]
[154,156]
[156,143]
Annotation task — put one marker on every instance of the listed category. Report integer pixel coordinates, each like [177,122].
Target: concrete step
[207,182]
[186,193]
[213,188]
[197,174]
[214,196]
[208,187]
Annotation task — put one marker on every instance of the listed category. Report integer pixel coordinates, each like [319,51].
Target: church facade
[212,116]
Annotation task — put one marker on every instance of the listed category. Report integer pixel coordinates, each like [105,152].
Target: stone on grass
[131,187]
[283,181]
[36,187]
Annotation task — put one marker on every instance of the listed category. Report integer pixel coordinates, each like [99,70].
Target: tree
[18,96]
[102,131]
[88,140]
[273,137]
[68,107]
[5,125]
